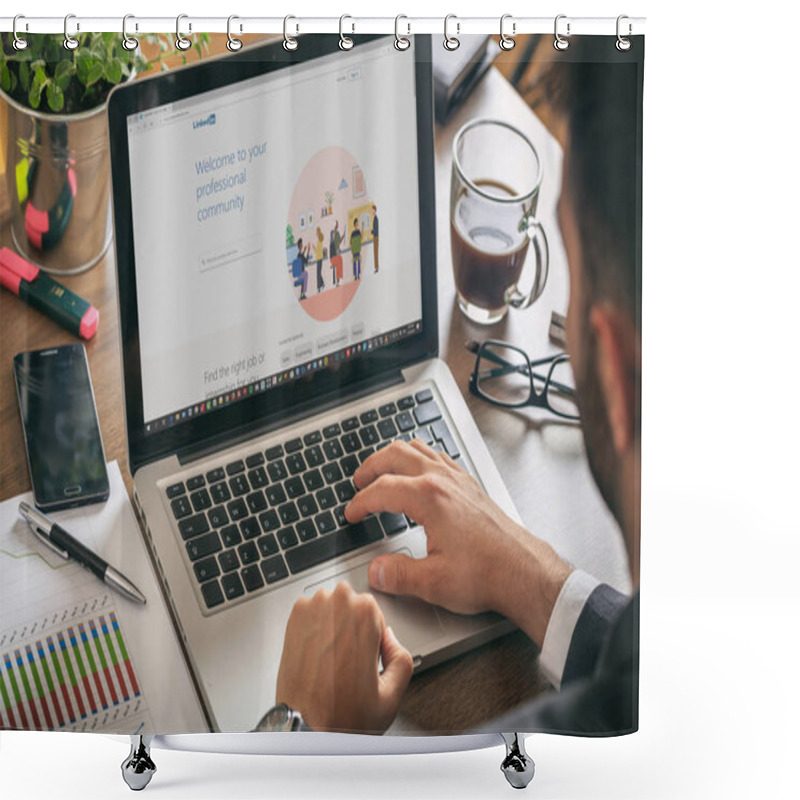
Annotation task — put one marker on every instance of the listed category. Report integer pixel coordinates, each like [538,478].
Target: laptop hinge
[301,411]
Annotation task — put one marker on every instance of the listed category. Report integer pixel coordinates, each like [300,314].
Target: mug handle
[538,239]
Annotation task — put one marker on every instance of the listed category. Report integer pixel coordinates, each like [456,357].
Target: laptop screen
[275,229]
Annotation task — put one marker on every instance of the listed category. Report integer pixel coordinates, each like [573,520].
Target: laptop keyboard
[253,523]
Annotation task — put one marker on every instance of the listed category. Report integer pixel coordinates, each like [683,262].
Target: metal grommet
[19,44]
[623,44]
[181,42]
[128,42]
[451,42]
[288,42]
[233,44]
[560,43]
[506,42]
[400,42]
[345,42]
[70,42]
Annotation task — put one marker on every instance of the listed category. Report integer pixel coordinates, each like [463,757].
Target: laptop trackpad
[414,622]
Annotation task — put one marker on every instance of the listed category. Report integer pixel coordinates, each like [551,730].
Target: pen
[61,542]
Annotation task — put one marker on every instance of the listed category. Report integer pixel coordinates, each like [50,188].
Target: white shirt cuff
[569,604]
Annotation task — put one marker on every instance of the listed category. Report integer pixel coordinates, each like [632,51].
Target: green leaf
[63,74]
[55,97]
[94,73]
[5,77]
[24,75]
[35,92]
[113,71]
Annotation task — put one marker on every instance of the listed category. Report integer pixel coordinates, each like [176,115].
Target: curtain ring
[506,42]
[623,44]
[70,42]
[233,44]
[451,42]
[128,42]
[181,42]
[400,42]
[345,42]
[19,44]
[288,42]
[560,43]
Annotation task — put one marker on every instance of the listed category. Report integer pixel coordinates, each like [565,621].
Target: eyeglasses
[504,376]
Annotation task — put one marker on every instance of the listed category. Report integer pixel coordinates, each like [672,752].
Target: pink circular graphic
[329,243]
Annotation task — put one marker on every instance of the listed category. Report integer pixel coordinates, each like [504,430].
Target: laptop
[276,262]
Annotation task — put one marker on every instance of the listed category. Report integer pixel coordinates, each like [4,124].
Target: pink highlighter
[36,288]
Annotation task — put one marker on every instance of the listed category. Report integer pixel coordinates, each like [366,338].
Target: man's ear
[619,371]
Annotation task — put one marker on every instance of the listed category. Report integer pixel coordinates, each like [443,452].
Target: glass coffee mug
[494,191]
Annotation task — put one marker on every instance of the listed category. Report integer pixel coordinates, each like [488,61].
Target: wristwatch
[281,719]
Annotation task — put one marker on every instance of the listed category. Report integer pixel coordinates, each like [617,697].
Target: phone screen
[62,436]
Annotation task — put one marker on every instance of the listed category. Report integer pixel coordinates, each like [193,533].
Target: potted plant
[56,140]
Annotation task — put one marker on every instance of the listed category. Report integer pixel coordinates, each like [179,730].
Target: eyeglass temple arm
[508,367]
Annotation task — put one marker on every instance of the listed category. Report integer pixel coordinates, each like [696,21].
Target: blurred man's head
[598,215]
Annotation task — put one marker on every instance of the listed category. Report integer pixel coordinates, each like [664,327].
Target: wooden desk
[542,461]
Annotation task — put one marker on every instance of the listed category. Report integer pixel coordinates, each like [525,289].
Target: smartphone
[66,459]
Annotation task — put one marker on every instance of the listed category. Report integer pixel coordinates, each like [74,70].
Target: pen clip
[44,539]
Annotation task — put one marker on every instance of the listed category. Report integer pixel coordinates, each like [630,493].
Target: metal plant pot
[57,178]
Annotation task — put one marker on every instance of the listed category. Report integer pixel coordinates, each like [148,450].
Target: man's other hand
[329,667]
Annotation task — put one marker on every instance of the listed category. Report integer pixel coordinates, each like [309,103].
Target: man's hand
[329,667]
[478,558]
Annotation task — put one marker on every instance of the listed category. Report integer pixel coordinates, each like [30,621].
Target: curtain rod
[293,25]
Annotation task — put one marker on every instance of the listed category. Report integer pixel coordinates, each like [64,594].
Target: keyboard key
[296,463]
[215,475]
[369,436]
[331,431]
[201,500]
[277,471]
[256,502]
[325,523]
[232,585]
[333,450]
[427,412]
[220,493]
[384,443]
[307,505]
[269,521]
[349,465]
[229,560]
[250,528]
[293,445]
[237,509]
[405,422]
[313,480]
[393,523]
[334,544]
[206,569]
[442,433]
[212,594]
[424,395]
[350,424]
[230,536]
[345,491]
[369,416]
[275,494]
[315,437]
[235,467]
[351,442]
[275,452]
[255,460]
[339,517]
[195,482]
[365,454]
[258,477]
[218,517]
[248,553]
[424,434]
[202,546]
[388,410]
[287,538]
[268,545]
[288,513]
[404,403]
[406,437]
[251,577]
[181,507]
[314,457]
[175,490]
[239,485]
[331,472]
[387,429]
[295,487]
[306,530]
[193,526]
[274,569]
[326,498]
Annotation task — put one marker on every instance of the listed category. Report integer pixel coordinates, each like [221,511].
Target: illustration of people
[299,272]
[335,250]
[318,253]
[375,234]
[355,249]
